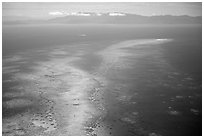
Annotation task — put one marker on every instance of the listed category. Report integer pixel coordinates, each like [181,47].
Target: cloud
[56,13]
[116,14]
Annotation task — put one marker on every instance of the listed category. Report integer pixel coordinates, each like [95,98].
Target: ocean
[153,73]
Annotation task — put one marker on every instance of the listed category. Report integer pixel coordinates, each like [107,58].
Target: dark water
[165,91]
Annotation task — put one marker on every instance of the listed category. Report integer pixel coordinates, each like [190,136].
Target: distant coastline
[108,18]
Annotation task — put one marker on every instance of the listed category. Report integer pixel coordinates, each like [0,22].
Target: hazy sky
[42,10]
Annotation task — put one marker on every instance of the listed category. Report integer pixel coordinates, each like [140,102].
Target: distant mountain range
[115,18]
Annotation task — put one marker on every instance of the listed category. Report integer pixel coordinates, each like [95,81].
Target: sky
[45,10]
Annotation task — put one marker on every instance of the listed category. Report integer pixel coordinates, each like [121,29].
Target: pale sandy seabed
[64,99]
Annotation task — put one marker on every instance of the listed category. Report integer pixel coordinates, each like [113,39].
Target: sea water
[154,77]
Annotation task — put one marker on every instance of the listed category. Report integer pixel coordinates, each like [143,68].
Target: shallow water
[153,72]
